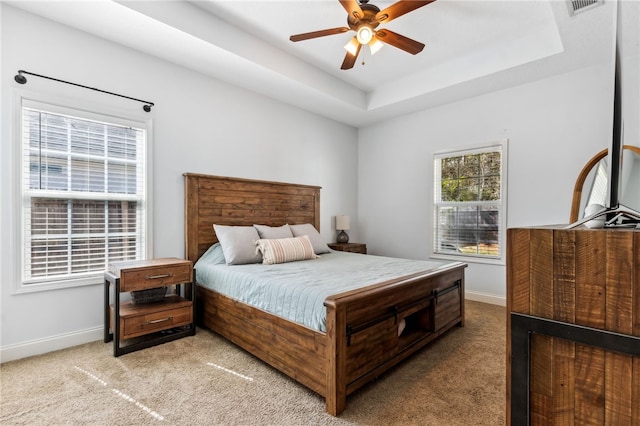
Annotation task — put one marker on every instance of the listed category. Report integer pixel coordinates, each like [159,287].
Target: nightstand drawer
[350,247]
[145,321]
[155,276]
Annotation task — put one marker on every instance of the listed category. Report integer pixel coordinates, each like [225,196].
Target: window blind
[84,194]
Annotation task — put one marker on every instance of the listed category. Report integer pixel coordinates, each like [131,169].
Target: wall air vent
[578,6]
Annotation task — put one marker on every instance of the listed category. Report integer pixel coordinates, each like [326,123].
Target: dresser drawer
[139,322]
[155,276]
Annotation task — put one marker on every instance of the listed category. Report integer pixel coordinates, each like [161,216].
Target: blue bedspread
[297,290]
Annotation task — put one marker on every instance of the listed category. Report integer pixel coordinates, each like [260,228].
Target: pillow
[238,244]
[285,250]
[319,246]
[273,232]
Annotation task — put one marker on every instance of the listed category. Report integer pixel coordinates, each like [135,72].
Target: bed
[361,337]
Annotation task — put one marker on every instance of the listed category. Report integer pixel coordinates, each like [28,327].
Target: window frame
[84,110]
[492,146]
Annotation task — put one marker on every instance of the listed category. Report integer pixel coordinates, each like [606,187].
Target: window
[469,202]
[84,194]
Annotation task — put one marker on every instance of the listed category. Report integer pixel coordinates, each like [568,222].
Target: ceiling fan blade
[321,33]
[350,60]
[400,8]
[399,41]
[353,9]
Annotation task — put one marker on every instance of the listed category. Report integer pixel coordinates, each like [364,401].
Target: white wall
[554,127]
[199,125]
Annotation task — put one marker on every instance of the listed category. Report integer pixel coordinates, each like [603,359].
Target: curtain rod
[21,79]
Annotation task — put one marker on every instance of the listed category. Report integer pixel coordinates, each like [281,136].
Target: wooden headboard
[235,201]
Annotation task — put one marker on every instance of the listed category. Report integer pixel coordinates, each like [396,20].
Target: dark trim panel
[522,326]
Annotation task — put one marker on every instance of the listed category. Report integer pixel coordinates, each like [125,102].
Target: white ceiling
[472,47]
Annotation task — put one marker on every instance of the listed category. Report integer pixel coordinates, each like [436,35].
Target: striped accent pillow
[283,250]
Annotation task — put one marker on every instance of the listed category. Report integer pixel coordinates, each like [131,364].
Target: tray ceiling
[472,47]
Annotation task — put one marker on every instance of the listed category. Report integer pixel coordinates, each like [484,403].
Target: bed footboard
[371,330]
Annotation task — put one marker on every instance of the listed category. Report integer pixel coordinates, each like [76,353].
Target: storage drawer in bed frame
[379,339]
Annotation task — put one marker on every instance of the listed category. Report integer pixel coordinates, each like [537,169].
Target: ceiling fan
[364,18]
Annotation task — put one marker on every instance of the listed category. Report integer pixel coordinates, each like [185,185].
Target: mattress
[297,290]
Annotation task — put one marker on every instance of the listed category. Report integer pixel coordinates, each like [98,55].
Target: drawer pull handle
[159,320]
[155,277]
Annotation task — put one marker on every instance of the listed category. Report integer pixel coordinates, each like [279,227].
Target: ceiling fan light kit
[364,18]
[364,34]
[354,44]
[375,45]
[352,47]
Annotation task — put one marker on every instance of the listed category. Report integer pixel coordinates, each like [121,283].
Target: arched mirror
[591,185]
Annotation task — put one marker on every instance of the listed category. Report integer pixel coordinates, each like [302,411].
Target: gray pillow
[319,246]
[273,232]
[238,244]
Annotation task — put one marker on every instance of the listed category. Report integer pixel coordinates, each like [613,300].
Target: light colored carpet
[205,380]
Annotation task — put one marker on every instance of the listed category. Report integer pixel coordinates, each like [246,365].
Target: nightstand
[350,247]
[142,325]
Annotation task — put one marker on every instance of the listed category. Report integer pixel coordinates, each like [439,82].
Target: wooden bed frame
[361,341]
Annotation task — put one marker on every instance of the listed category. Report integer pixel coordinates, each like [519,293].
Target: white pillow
[284,250]
[238,244]
[319,246]
[273,232]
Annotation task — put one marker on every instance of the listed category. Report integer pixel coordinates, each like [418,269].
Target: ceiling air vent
[578,6]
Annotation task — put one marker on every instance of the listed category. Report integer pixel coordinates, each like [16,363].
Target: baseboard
[485,298]
[50,344]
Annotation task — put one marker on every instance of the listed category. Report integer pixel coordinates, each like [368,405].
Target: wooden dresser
[573,326]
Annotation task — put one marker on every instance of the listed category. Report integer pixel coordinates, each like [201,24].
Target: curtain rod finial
[147,108]
[19,78]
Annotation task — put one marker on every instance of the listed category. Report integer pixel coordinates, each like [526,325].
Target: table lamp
[342,224]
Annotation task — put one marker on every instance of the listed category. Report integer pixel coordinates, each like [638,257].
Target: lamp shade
[342,223]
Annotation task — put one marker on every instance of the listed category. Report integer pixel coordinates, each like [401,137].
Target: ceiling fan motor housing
[369,11]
